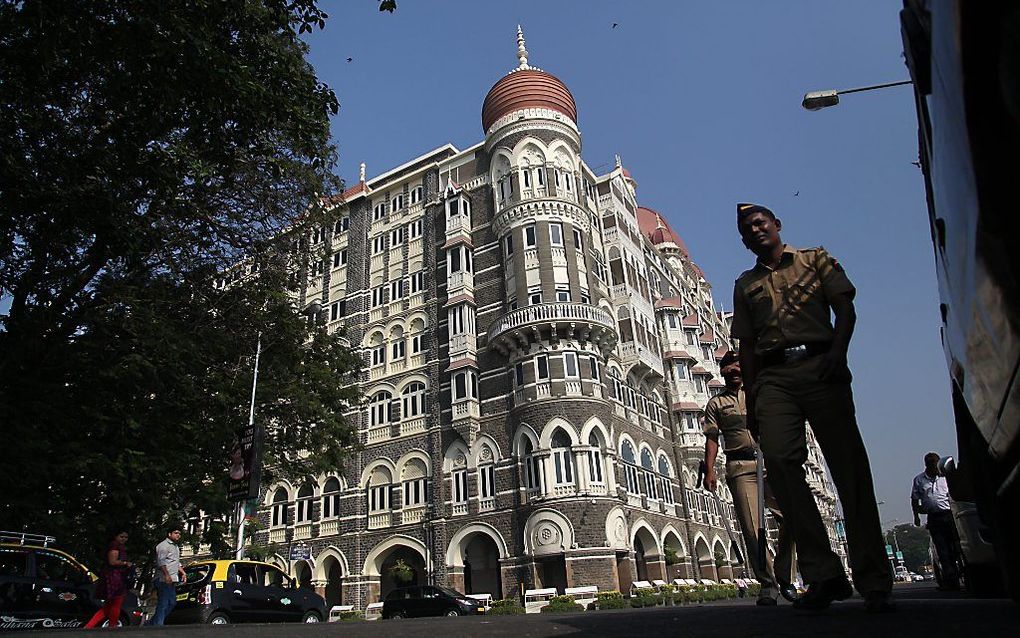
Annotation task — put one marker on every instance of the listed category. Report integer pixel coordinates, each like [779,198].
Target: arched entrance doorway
[473,560]
[303,574]
[647,561]
[334,582]
[706,561]
[678,563]
[398,561]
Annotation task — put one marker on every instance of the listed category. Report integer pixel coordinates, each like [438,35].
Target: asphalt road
[921,611]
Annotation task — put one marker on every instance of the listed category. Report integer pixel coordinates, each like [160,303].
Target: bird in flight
[350,59]
[614,25]
[796,194]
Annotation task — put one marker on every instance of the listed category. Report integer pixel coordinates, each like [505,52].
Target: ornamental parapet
[551,322]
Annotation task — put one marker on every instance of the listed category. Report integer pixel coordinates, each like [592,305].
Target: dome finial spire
[522,53]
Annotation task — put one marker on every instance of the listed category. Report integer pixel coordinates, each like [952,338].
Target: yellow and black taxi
[220,592]
[44,588]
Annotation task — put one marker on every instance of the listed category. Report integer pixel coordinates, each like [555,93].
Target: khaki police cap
[744,209]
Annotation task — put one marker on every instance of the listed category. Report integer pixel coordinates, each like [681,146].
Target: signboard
[245,469]
[300,552]
[888,551]
[899,556]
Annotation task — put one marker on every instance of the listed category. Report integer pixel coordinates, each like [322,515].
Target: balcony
[460,283]
[278,535]
[379,520]
[595,487]
[329,528]
[572,388]
[412,426]
[487,504]
[459,509]
[552,321]
[377,434]
[634,354]
[611,235]
[412,515]
[465,408]
[302,531]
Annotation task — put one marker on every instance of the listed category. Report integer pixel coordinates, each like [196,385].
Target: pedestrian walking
[726,415]
[929,495]
[168,573]
[112,584]
[794,363]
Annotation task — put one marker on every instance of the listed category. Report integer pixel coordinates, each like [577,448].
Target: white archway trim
[557,423]
[642,524]
[456,450]
[670,530]
[595,423]
[460,540]
[412,378]
[375,557]
[416,454]
[701,542]
[548,532]
[482,441]
[716,542]
[320,572]
[285,484]
[524,431]
[383,461]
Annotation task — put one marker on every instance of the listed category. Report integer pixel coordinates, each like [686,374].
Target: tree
[149,147]
[913,542]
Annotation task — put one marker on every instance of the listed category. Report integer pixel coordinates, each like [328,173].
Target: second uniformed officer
[726,414]
[794,362]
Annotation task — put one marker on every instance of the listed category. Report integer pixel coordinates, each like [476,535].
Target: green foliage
[349,616]
[505,607]
[645,597]
[913,542]
[610,600]
[149,146]
[672,558]
[720,557]
[559,604]
[401,572]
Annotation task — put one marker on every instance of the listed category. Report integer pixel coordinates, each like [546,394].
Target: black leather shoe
[789,592]
[821,594]
[877,602]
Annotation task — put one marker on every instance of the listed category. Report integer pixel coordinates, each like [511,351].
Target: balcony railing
[487,504]
[278,535]
[553,313]
[329,527]
[412,426]
[460,509]
[377,434]
[302,531]
[415,515]
[465,408]
[379,520]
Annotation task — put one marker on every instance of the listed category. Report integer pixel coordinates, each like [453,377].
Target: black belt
[740,455]
[794,353]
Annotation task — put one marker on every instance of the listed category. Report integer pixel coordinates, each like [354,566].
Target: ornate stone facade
[537,351]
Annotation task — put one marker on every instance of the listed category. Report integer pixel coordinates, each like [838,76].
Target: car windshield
[197,573]
[450,592]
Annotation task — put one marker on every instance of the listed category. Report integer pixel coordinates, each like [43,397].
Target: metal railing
[552,312]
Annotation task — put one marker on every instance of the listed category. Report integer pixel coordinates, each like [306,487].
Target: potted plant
[401,573]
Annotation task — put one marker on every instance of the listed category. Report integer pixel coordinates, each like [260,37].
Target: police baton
[759,467]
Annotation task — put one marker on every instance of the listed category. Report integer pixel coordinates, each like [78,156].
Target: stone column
[656,567]
[581,470]
[455,578]
[320,588]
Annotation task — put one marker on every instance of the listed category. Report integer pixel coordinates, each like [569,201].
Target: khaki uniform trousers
[742,479]
[785,396]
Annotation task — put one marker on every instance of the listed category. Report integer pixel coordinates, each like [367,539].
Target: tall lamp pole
[243,506]
[816,100]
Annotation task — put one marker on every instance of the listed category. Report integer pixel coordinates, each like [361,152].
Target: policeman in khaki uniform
[725,414]
[794,364]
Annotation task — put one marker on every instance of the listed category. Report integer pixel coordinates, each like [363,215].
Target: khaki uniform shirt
[726,414]
[788,305]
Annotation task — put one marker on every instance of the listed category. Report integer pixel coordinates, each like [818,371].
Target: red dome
[655,227]
[527,89]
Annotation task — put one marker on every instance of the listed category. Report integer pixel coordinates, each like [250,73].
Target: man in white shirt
[169,573]
[930,495]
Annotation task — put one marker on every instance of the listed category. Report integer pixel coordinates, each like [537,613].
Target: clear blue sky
[702,101]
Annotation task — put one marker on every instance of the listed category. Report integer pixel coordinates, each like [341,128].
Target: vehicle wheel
[453,612]
[218,618]
[397,615]
[311,617]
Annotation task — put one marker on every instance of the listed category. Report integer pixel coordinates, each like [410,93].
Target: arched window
[532,467]
[412,400]
[379,490]
[629,469]
[279,516]
[305,497]
[563,458]
[667,486]
[331,498]
[380,410]
[648,472]
[595,467]
[414,477]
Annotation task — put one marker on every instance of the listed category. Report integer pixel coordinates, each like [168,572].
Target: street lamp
[816,100]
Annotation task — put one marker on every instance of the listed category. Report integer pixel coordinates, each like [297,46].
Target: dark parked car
[415,602]
[42,587]
[221,592]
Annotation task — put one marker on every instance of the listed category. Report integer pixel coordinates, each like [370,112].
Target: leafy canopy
[147,147]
